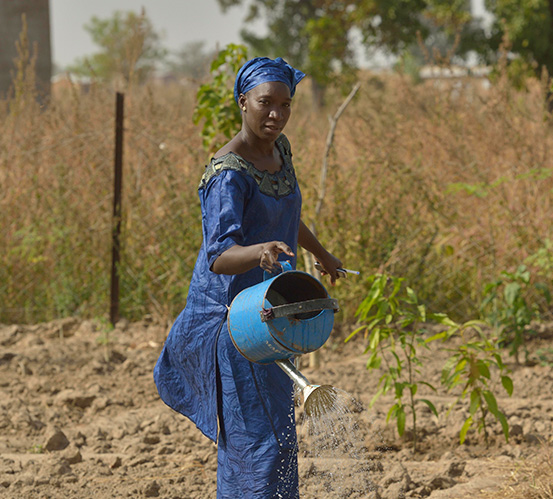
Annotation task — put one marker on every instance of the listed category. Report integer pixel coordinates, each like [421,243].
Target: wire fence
[446,190]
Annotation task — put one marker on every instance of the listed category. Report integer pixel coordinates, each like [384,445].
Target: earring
[244,108]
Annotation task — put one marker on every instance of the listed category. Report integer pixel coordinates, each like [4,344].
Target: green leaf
[442,319]
[399,389]
[354,333]
[544,290]
[411,296]
[430,405]
[507,384]
[388,380]
[511,293]
[374,361]
[392,412]
[375,397]
[374,339]
[371,298]
[400,415]
[483,369]
[489,397]
[464,430]
[474,402]
[438,336]
[422,312]
[448,366]
[428,385]
[504,424]
[397,282]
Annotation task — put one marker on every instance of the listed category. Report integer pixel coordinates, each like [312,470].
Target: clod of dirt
[55,440]
[72,454]
[152,489]
[74,398]
[396,474]
[441,482]
[454,468]
[62,328]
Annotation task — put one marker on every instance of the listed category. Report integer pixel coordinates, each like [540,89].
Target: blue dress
[247,407]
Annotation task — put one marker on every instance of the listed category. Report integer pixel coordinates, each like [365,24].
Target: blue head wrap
[261,70]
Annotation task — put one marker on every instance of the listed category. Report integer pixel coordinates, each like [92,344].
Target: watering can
[284,316]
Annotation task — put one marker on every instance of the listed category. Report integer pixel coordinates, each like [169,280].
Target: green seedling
[470,366]
[393,322]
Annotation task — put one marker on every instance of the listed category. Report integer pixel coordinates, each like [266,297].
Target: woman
[251,207]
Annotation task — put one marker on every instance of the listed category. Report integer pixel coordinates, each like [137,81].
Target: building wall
[38,28]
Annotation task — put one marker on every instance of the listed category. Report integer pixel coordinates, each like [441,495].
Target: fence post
[116,227]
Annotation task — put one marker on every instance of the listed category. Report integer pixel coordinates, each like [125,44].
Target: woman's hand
[239,259]
[329,262]
[268,259]
[330,266]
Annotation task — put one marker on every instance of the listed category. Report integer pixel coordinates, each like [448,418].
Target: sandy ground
[80,417]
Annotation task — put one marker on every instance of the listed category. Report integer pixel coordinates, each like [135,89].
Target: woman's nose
[275,113]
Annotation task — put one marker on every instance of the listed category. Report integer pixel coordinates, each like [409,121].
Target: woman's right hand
[238,259]
[268,258]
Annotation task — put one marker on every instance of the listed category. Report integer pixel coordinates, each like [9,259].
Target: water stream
[333,456]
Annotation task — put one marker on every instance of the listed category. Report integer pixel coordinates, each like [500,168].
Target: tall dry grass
[445,185]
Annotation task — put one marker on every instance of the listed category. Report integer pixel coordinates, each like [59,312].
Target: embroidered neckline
[277,185]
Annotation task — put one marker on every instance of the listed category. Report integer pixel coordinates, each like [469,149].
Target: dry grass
[532,479]
[444,185]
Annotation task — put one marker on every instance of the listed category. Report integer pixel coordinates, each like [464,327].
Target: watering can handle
[299,308]
[284,267]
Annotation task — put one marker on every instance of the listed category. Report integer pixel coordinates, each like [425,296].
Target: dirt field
[80,417]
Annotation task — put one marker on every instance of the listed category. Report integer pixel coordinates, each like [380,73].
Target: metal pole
[117,189]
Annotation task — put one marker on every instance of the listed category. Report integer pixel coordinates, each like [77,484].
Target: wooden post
[117,189]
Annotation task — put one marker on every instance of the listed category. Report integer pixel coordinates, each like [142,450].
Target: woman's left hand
[330,266]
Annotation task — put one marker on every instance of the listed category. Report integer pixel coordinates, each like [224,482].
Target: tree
[192,60]
[307,33]
[528,26]
[316,35]
[130,48]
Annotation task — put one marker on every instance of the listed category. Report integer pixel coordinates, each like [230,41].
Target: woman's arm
[239,259]
[307,240]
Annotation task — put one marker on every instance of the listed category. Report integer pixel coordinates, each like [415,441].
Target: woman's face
[267,109]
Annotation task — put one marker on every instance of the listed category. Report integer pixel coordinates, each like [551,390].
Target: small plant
[37,449]
[470,366]
[215,100]
[105,339]
[393,319]
[506,308]
[544,356]
[393,324]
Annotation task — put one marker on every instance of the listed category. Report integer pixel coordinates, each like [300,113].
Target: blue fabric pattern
[261,70]
[204,378]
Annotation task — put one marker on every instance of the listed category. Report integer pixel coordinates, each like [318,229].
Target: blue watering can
[284,316]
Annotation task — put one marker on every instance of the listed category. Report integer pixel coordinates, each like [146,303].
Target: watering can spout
[317,399]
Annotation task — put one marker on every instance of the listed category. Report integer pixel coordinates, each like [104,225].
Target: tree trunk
[37,13]
[318,95]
